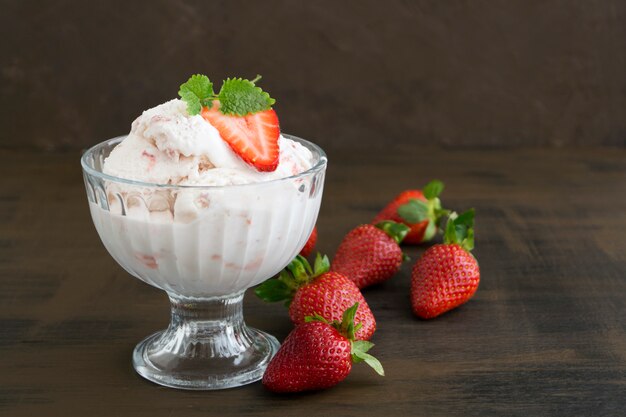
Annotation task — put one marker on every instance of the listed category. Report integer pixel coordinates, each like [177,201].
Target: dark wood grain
[476,73]
[545,334]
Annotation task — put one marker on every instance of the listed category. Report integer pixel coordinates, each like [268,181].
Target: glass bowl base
[206,369]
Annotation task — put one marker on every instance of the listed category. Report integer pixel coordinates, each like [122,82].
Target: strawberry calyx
[295,275]
[417,211]
[460,229]
[347,328]
[396,231]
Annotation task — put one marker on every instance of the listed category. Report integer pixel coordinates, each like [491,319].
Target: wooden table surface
[544,335]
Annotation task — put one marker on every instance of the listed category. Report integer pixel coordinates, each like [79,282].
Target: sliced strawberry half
[253,137]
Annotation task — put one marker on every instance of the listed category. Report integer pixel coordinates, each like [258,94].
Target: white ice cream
[202,241]
[167,146]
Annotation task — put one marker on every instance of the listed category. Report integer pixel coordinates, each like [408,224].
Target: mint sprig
[237,96]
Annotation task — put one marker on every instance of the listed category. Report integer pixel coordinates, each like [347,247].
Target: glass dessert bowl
[204,246]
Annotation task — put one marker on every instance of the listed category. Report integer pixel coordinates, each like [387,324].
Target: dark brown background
[373,82]
[475,73]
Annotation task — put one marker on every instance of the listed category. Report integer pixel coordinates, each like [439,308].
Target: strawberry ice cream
[204,228]
[168,146]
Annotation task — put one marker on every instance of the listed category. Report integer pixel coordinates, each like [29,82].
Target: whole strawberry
[318,354]
[309,246]
[419,209]
[370,254]
[311,292]
[447,275]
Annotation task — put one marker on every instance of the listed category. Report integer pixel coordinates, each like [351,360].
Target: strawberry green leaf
[286,277]
[315,317]
[433,189]
[466,218]
[357,327]
[359,354]
[300,269]
[273,290]
[347,320]
[415,211]
[440,212]
[396,231]
[321,265]
[305,262]
[431,230]
[297,274]
[240,97]
[460,229]
[450,234]
[371,361]
[362,345]
[346,326]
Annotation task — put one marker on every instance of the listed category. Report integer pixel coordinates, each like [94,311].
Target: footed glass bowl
[204,246]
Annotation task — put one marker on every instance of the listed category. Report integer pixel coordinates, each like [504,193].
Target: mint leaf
[415,211]
[199,85]
[196,92]
[193,102]
[239,97]
[433,189]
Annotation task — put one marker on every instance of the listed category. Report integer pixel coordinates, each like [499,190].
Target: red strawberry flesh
[253,137]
